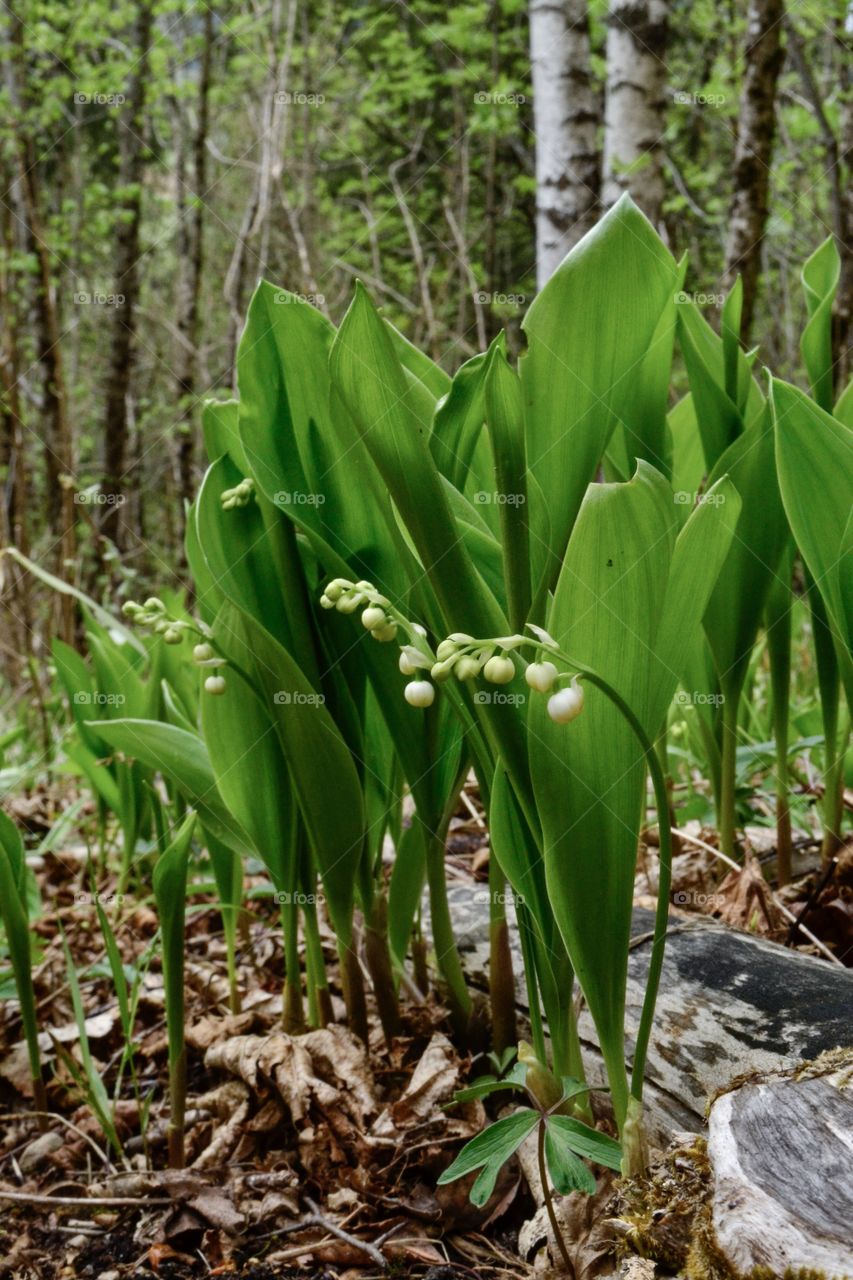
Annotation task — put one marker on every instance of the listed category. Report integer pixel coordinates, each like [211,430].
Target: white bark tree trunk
[566,117]
[635,105]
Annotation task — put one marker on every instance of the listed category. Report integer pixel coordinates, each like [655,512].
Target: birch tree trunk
[635,104]
[754,150]
[566,116]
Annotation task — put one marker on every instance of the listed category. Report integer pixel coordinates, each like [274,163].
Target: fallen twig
[789,915]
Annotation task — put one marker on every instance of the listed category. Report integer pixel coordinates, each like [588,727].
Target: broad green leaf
[182,758]
[588,777]
[734,614]
[505,423]
[251,773]
[333,814]
[588,333]
[820,277]
[498,1142]
[458,421]
[814,452]
[221,429]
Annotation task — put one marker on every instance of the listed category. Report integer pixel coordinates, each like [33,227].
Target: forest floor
[310,1156]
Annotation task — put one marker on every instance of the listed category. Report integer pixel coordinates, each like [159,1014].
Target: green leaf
[183,758]
[587,333]
[505,422]
[821,274]
[568,1173]
[734,614]
[330,799]
[499,1142]
[13,911]
[586,1142]
[813,455]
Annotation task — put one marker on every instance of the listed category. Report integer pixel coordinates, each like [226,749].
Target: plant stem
[352,983]
[293,1014]
[378,956]
[501,982]
[320,1001]
[446,953]
[547,1197]
[525,933]
[728,776]
[177,1108]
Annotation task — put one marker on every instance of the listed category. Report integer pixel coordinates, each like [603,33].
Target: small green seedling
[563,1141]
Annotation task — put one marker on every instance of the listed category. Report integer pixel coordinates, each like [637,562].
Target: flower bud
[347,604]
[406,665]
[566,704]
[153,603]
[419,693]
[373,617]
[499,670]
[461,637]
[441,670]
[446,649]
[386,633]
[172,635]
[466,667]
[326,603]
[335,589]
[539,1079]
[203,652]
[541,676]
[214,684]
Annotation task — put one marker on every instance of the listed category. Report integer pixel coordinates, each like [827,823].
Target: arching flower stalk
[154,614]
